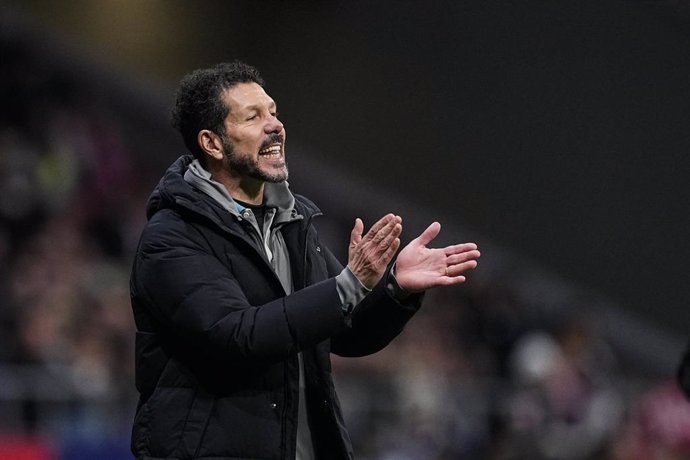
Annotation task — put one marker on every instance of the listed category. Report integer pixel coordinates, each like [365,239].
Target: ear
[210,143]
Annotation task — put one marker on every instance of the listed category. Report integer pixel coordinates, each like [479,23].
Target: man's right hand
[368,256]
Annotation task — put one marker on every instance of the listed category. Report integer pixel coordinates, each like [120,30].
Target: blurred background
[555,134]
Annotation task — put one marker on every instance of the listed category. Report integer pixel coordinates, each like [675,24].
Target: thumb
[356,234]
[429,234]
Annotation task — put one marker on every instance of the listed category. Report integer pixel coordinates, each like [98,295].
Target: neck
[252,193]
[244,189]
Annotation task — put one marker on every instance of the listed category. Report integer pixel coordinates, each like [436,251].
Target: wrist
[393,286]
[350,289]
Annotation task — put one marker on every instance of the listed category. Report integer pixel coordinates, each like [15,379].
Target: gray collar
[276,195]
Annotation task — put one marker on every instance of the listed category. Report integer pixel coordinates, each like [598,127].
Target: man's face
[254,140]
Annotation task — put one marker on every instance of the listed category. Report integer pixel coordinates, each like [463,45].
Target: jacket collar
[190,190]
[276,195]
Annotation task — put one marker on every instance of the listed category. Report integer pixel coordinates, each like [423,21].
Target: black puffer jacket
[217,336]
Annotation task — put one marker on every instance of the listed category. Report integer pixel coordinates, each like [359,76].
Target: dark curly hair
[199,104]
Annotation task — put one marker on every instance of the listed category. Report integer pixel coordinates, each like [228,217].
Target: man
[236,302]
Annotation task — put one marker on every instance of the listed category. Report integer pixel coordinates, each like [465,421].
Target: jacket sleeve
[192,296]
[375,321]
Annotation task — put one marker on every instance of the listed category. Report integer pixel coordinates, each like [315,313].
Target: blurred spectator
[658,427]
[560,407]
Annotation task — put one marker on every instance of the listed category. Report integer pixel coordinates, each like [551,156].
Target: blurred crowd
[478,374]
[70,211]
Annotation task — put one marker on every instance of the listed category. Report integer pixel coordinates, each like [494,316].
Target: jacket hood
[171,188]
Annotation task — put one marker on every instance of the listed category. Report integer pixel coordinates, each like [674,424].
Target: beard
[248,166]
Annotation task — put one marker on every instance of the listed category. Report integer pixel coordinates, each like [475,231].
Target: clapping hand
[419,267]
[369,255]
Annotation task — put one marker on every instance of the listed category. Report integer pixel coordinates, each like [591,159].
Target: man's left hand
[418,267]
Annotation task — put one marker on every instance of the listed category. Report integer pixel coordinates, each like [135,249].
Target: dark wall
[558,129]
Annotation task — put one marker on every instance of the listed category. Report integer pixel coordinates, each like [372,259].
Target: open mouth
[273,151]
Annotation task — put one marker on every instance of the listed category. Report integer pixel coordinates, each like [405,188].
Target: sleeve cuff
[394,288]
[350,290]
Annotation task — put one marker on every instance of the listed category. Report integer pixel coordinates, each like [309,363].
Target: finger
[450,281]
[389,253]
[391,239]
[380,223]
[462,257]
[459,248]
[386,236]
[382,228]
[429,234]
[385,233]
[377,249]
[458,269]
[356,234]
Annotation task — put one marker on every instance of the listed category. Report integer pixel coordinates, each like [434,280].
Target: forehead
[246,96]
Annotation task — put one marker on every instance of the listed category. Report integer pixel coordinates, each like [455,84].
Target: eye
[251,118]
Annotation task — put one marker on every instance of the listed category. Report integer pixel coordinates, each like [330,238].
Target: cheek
[254,142]
[248,146]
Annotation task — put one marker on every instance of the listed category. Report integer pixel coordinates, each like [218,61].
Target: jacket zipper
[286,367]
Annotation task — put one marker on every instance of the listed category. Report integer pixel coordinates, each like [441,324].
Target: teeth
[272,150]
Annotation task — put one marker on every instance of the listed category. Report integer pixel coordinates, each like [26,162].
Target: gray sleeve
[350,290]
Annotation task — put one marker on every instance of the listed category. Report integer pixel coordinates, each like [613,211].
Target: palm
[418,267]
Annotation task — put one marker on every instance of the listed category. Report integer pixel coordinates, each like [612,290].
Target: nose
[273,125]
